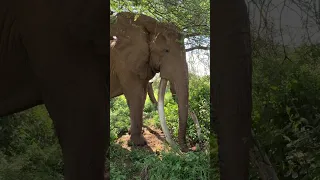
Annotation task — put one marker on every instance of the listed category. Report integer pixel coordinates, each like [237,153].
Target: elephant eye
[167,50]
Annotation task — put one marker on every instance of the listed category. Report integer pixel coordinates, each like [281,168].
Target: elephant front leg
[136,99]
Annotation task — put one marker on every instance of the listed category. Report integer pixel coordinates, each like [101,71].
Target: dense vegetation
[29,149]
[285,114]
[165,164]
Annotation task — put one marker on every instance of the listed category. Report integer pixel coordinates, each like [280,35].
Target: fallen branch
[197,47]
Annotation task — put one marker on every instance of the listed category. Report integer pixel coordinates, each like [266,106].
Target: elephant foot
[137,141]
[184,148]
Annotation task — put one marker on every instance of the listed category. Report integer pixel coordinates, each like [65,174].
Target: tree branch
[192,35]
[195,25]
[197,47]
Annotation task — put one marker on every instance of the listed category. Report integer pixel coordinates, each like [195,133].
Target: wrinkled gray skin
[55,53]
[143,48]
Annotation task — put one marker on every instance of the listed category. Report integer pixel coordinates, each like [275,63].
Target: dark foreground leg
[72,78]
[79,114]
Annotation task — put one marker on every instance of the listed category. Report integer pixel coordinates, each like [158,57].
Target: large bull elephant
[55,53]
[142,48]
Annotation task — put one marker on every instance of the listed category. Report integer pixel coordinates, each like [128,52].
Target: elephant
[56,53]
[141,48]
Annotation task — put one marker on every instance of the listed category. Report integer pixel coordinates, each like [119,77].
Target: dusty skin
[142,48]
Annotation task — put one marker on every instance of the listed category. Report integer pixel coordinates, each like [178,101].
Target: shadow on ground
[155,140]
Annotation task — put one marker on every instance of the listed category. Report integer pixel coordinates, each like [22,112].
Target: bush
[139,164]
[119,117]
[286,101]
[29,147]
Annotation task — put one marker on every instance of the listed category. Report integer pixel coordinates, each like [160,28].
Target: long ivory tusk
[162,90]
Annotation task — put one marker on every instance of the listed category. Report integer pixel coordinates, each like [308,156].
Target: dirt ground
[154,137]
[155,141]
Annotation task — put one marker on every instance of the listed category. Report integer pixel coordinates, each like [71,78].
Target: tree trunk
[231,81]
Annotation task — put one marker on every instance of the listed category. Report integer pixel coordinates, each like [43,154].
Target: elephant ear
[132,45]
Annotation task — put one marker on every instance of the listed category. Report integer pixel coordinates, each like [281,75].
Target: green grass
[140,164]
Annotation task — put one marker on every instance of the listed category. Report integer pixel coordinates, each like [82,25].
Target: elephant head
[166,54]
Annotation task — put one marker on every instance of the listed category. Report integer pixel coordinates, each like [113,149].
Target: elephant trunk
[181,87]
[191,113]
